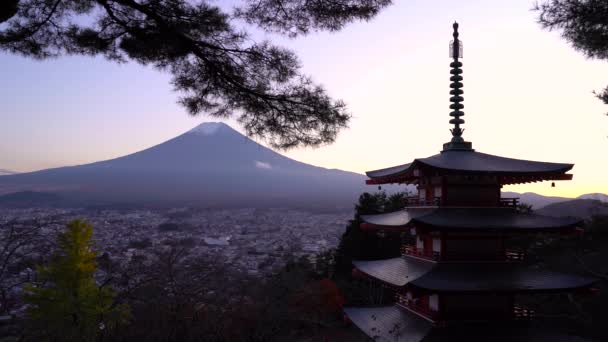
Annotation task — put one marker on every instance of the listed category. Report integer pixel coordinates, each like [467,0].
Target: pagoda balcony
[522,313]
[509,202]
[414,306]
[508,255]
[420,253]
[516,312]
[415,201]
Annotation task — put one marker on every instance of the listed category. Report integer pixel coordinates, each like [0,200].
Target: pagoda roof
[469,218]
[397,218]
[389,171]
[497,277]
[469,277]
[394,324]
[395,271]
[389,323]
[493,219]
[469,161]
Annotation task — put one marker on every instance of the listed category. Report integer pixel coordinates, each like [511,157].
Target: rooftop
[394,324]
[470,277]
[472,218]
[471,162]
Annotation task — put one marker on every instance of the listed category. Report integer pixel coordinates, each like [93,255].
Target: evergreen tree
[357,244]
[67,304]
[584,23]
[217,67]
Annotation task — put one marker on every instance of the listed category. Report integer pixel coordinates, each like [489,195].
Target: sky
[527,94]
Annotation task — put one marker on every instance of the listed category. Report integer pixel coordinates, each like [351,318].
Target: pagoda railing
[420,252]
[415,306]
[522,312]
[517,255]
[510,255]
[509,202]
[416,201]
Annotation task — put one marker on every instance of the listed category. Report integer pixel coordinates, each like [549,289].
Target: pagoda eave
[391,180]
[499,278]
[374,227]
[467,219]
[465,278]
[393,323]
[389,323]
[508,170]
[503,178]
[394,272]
[510,180]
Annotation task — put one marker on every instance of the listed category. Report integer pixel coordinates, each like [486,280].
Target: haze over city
[527,95]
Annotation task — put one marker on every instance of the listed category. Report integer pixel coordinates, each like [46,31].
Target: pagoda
[458,278]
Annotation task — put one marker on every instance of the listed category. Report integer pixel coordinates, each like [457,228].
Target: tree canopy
[357,244]
[583,23]
[67,304]
[214,62]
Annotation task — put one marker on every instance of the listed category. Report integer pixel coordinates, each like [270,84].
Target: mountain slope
[29,199]
[535,200]
[211,165]
[581,208]
[539,201]
[596,196]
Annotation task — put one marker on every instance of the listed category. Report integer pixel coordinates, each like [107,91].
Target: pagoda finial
[456,100]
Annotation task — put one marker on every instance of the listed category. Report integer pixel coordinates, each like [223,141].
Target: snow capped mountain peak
[6,172]
[262,165]
[207,128]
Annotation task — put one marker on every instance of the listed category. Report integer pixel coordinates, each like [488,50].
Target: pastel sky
[527,95]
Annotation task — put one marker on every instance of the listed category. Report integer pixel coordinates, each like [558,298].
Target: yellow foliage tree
[67,304]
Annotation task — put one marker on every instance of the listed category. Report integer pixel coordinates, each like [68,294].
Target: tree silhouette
[215,64]
[67,304]
[583,23]
[356,243]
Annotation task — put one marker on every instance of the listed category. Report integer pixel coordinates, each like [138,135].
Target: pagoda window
[438,191]
[422,194]
[434,302]
[437,245]
[419,243]
[428,245]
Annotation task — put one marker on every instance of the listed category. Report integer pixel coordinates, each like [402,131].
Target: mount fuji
[210,165]
[4,172]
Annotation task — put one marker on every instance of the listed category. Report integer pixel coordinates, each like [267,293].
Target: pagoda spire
[457,142]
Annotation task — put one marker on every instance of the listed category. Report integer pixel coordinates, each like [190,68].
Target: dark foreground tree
[20,243]
[369,245]
[67,304]
[583,23]
[215,65]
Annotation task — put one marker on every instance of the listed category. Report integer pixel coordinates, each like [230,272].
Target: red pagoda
[457,278]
